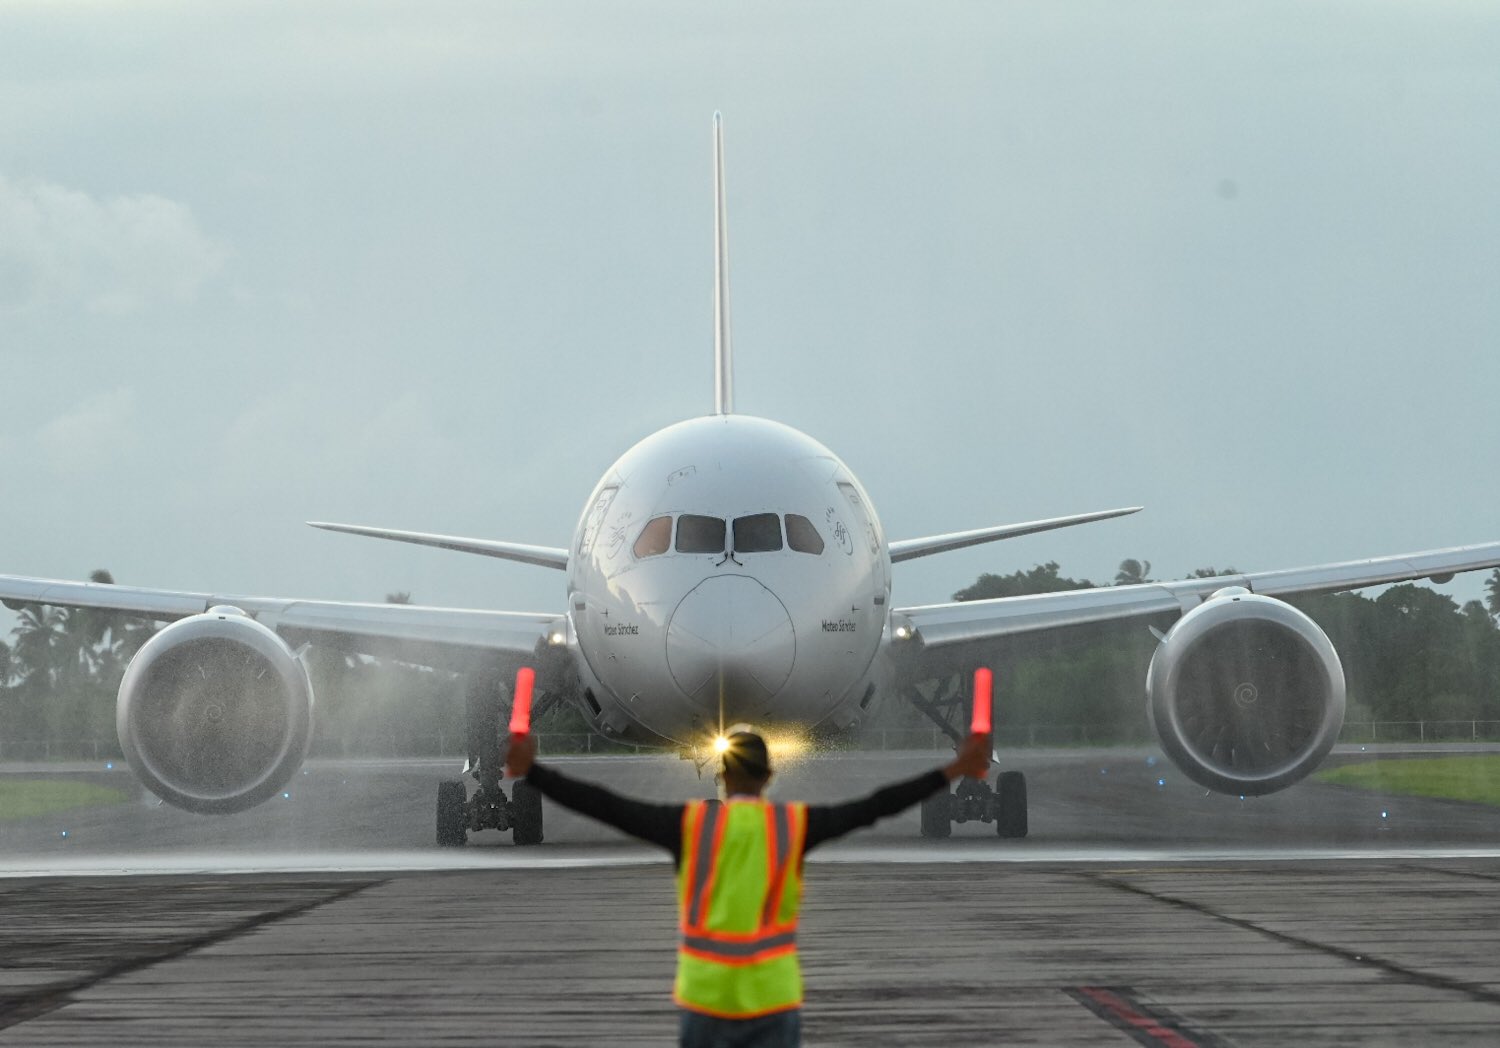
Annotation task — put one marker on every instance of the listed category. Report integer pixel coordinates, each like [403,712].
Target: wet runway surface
[1138,908]
[1088,804]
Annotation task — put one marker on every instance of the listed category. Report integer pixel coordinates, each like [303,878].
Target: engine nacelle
[1246,693]
[215,712]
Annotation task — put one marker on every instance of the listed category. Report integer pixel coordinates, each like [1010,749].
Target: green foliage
[1409,654]
[1133,572]
[1475,779]
[25,798]
[1041,579]
[60,676]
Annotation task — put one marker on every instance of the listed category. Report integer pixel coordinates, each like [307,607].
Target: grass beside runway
[27,798]
[1465,778]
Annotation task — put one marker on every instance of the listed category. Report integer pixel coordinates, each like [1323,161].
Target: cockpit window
[656,537]
[760,533]
[801,535]
[697,534]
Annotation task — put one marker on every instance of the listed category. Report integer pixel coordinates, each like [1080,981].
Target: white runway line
[503,858]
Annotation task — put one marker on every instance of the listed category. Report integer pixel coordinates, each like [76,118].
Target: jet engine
[215,712]
[1246,693]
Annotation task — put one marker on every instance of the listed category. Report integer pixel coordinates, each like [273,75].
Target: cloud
[62,247]
[96,432]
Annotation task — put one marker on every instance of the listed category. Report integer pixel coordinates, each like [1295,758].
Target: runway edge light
[984,685]
[520,707]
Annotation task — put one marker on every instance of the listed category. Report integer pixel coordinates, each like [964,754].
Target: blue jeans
[779,1030]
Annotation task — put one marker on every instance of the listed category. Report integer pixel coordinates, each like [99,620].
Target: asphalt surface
[1094,804]
[1140,910]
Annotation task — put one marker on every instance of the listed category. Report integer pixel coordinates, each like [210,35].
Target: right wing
[946,625]
[433,636]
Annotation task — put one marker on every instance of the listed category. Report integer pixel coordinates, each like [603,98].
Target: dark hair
[747,757]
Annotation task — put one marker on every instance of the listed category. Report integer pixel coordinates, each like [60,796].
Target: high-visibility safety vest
[739,887]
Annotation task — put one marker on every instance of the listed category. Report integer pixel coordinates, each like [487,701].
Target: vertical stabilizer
[723,358]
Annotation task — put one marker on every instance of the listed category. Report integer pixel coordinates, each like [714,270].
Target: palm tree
[1133,572]
[40,646]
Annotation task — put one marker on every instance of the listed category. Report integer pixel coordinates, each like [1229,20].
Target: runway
[1099,805]
[1139,908]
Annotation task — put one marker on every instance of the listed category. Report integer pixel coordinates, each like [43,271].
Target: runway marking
[1147,1024]
[1475,991]
[378,863]
[27,1006]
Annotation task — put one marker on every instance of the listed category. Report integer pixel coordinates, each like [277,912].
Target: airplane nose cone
[731,641]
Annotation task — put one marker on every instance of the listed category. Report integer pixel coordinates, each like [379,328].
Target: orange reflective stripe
[716,948]
[692,818]
[706,862]
[778,846]
[773,849]
[739,962]
[799,834]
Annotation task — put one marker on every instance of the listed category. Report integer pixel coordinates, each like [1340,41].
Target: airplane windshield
[697,534]
[656,537]
[801,535]
[760,533]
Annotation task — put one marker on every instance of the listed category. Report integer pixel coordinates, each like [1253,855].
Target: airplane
[726,569]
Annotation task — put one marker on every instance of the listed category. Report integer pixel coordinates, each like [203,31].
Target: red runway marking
[1149,1026]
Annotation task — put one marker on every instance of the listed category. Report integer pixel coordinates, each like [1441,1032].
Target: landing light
[556,638]
[902,632]
[720,744]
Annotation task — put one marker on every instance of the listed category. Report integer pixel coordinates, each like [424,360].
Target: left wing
[422,634]
[940,625]
[907,549]
[542,556]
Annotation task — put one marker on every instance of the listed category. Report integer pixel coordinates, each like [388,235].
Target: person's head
[747,764]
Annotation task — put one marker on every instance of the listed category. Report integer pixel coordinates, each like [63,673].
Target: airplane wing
[433,636]
[542,556]
[907,549]
[938,626]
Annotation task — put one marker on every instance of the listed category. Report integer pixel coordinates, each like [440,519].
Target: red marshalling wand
[984,687]
[520,707]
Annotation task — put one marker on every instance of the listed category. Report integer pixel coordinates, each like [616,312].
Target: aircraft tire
[937,815]
[452,818]
[526,801]
[1010,813]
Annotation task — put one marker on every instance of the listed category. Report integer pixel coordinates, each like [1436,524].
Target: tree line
[1410,653]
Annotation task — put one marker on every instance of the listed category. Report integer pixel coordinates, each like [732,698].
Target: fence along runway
[1379,949]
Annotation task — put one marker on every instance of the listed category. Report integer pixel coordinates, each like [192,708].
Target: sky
[434,267]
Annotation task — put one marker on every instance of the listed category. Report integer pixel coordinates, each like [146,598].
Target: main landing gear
[459,813]
[1003,804]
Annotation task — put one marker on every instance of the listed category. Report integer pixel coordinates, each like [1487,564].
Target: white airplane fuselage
[727,569]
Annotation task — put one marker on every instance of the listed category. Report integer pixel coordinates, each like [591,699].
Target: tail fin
[723,358]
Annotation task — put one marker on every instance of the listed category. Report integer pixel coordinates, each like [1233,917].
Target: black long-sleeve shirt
[661,824]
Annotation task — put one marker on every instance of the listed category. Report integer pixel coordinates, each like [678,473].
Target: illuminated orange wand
[520,707]
[984,687]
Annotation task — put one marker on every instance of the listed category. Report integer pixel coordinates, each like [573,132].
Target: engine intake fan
[1246,693]
[215,712]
